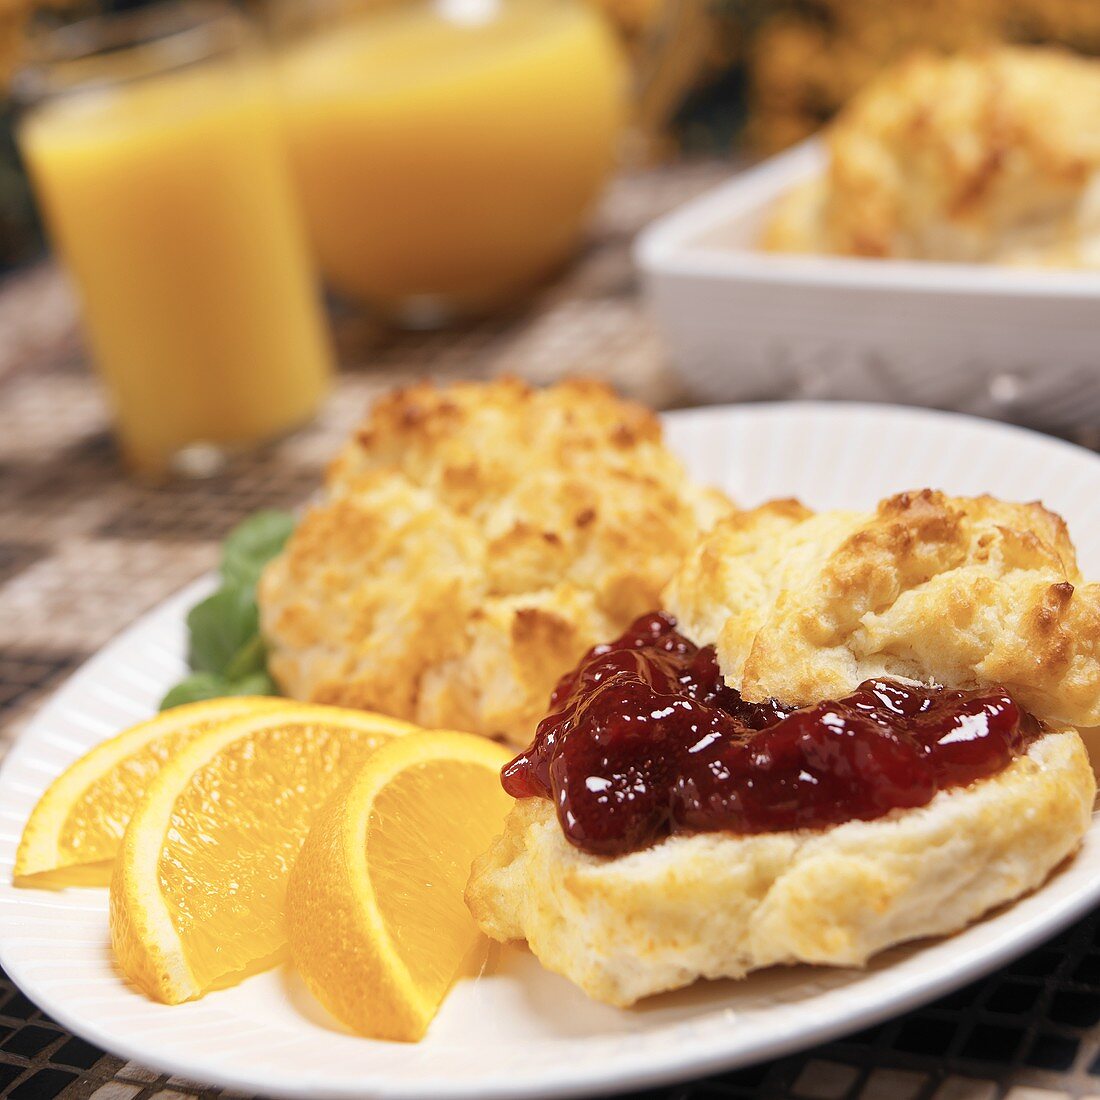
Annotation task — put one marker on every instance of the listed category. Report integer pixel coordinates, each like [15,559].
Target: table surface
[84,550]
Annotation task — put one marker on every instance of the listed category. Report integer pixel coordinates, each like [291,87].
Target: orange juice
[170,202]
[448,155]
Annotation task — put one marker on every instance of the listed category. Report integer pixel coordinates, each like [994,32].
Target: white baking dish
[744,324]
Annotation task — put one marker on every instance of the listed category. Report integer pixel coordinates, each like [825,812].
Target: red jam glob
[645,739]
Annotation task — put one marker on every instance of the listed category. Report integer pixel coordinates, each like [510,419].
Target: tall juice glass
[155,147]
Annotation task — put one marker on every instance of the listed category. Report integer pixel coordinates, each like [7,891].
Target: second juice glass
[448,153]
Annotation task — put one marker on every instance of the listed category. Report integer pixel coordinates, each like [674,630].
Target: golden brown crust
[718,905]
[957,591]
[795,223]
[473,541]
[992,156]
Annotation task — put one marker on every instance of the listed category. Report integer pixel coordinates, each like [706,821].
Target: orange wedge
[199,886]
[378,926]
[74,832]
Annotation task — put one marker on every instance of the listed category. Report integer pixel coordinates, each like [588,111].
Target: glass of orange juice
[155,146]
[448,153]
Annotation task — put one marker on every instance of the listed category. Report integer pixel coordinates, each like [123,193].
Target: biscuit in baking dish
[964,592]
[716,905]
[472,542]
[988,157]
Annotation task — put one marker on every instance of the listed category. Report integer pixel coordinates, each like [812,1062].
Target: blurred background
[719,78]
[205,169]
[724,77]
[222,206]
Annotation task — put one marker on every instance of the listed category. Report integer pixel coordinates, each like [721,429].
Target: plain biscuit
[472,542]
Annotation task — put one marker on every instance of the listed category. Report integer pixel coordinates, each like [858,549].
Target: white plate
[742,324]
[520,1031]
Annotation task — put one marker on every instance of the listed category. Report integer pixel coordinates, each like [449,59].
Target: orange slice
[198,892]
[378,926]
[74,832]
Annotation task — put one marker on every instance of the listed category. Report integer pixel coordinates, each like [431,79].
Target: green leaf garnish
[194,688]
[225,650]
[221,626]
[253,543]
[209,685]
[248,660]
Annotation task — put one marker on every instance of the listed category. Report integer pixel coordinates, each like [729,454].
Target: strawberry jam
[644,739]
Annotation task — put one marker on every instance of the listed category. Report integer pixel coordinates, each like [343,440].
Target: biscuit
[986,157]
[472,542]
[962,592]
[717,905]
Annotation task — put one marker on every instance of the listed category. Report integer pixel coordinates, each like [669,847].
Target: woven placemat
[84,550]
